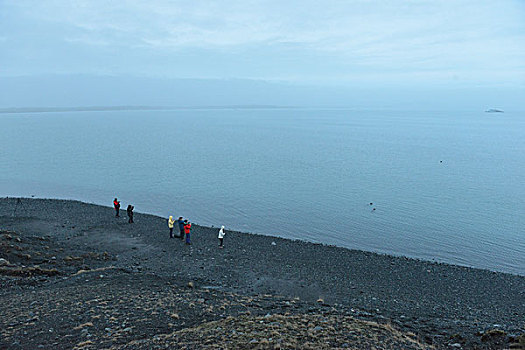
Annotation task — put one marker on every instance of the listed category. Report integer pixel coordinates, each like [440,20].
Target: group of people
[129,210]
[184,228]
[183,224]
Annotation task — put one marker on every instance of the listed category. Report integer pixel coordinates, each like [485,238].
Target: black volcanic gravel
[443,304]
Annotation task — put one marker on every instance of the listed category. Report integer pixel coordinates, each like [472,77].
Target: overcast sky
[327,42]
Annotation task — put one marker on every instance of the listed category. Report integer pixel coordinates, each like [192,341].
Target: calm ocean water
[446,186]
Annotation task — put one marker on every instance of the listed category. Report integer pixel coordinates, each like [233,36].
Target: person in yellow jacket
[171,222]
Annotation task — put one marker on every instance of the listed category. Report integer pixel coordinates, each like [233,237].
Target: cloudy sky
[328,42]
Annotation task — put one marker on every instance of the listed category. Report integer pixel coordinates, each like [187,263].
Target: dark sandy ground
[74,275]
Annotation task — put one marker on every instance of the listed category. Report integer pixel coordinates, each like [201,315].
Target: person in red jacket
[116,204]
[187,229]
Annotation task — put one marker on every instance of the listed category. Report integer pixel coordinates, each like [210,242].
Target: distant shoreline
[18,110]
[132,108]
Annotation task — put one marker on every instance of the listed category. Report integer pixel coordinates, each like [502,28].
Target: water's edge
[110,210]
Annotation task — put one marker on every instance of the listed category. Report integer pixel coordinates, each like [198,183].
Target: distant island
[494,110]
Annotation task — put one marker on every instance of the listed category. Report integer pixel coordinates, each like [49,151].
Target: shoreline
[18,110]
[377,252]
[443,304]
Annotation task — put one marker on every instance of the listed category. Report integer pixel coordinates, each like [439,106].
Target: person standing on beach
[187,229]
[130,213]
[171,222]
[116,204]
[221,237]
[181,227]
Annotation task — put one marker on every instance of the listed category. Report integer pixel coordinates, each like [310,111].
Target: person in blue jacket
[181,227]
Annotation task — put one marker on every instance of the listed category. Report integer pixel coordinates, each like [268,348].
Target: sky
[354,43]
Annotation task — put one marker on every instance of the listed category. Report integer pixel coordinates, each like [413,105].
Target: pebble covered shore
[73,275]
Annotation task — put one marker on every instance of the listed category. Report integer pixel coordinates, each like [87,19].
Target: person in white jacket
[221,237]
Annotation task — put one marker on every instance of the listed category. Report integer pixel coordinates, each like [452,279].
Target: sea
[444,186]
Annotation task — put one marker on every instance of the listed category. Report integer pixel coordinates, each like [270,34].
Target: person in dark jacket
[187,229]
[116,204]
[181,227]
[130,213]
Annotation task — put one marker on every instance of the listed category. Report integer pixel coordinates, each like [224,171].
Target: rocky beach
[75,276]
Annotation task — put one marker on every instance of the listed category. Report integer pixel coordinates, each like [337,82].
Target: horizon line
[137,108]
